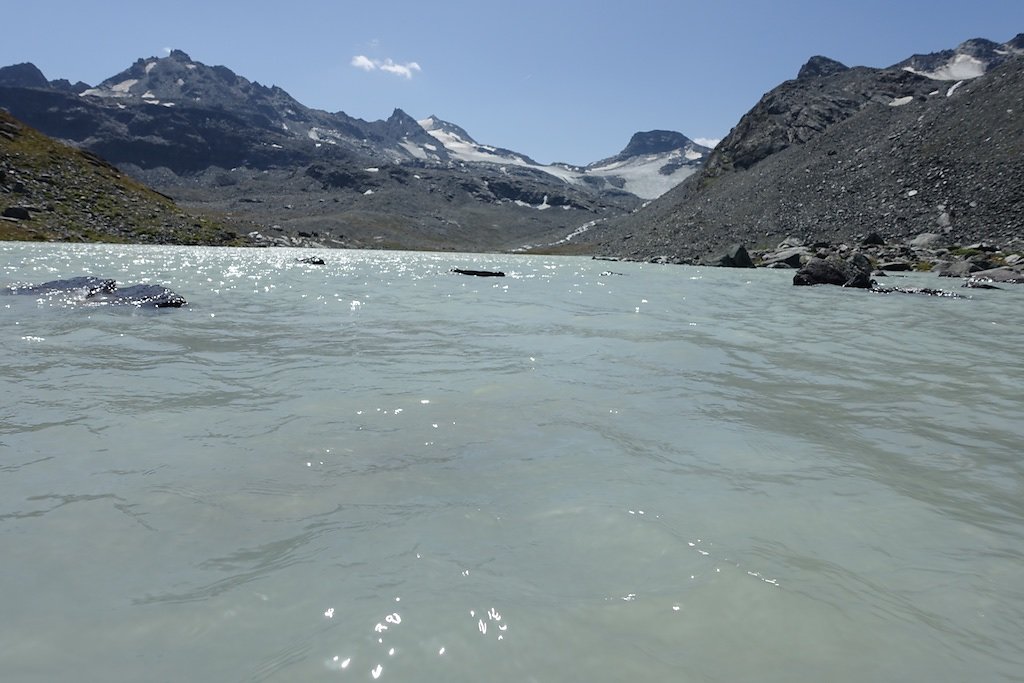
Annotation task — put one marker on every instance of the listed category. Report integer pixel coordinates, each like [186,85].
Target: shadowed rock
[735,257]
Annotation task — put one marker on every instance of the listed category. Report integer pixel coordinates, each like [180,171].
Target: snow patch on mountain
[646,175]
[959,67]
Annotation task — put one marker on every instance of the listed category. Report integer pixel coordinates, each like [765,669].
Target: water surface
[584,471]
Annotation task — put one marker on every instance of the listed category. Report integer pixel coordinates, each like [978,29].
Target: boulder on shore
[955,268]
[735,257]
[789,257]
[1012,275]
[852,272]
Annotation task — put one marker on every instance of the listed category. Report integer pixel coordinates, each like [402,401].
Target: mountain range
[222,143]
[931,144]
[934,144]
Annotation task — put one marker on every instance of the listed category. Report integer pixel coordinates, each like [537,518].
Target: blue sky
[560,81]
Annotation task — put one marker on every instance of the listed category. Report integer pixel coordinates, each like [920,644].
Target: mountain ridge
[838,153]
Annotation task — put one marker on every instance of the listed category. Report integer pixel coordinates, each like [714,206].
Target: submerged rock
[927,291]
[140,296]
[95,291]
[87,285]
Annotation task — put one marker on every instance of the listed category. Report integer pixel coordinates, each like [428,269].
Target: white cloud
[400,69]
[708,142]
[363,62]
[388,66]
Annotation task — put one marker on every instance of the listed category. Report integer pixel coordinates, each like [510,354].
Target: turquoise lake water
[376,469]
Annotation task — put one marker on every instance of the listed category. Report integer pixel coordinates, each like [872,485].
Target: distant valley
[222,144]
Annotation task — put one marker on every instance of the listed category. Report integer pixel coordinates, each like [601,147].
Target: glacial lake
[377,469]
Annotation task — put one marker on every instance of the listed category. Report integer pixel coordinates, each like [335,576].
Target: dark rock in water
[96,291]
[736,257]
[312,260]
[479,273]
[88,285]
[140,296]
[853,272]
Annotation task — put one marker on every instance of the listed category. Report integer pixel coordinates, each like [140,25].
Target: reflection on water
[376,469]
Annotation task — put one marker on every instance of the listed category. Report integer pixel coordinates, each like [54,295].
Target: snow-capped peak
[652,163]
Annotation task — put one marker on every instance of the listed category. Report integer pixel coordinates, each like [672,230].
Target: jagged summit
[178,80]
[818,66]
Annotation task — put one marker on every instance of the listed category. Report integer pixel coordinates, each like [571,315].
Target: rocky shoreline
[856,264]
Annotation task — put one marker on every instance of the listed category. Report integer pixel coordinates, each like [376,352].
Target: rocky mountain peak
[655,142]
[818,66]
[24,75]
[433,123]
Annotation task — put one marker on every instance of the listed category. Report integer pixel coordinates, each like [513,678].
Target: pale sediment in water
[378,468]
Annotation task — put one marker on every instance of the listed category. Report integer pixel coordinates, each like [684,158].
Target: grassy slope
[75,196]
